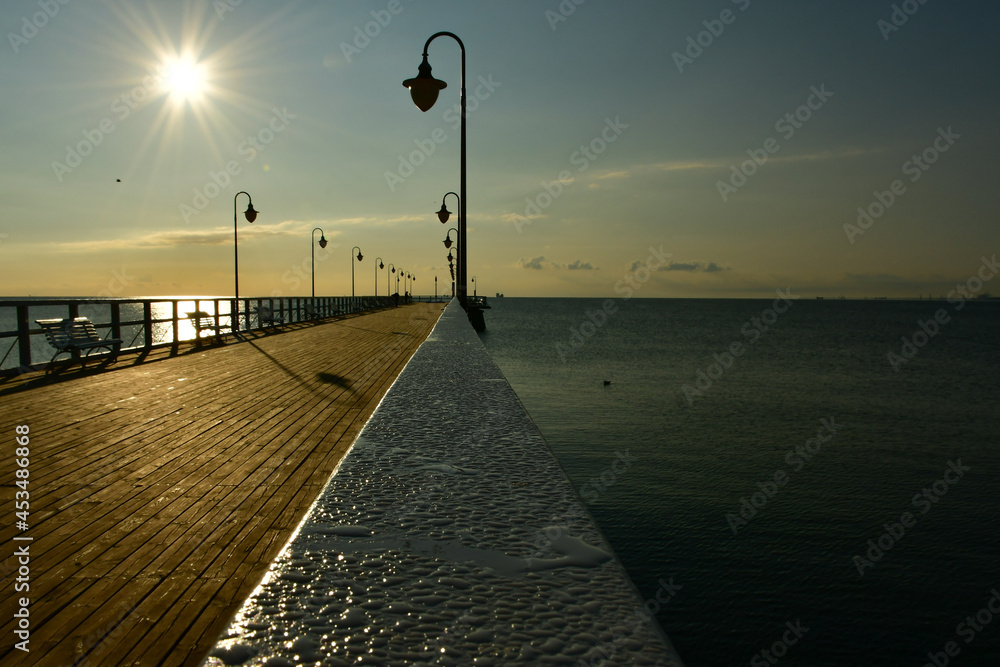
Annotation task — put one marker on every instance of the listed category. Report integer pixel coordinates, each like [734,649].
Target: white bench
[75,335]
[203,321]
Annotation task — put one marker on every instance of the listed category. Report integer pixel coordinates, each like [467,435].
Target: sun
[184,80]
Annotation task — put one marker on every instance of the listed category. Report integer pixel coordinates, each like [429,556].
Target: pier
[163,486]
[449,535]
[360,488]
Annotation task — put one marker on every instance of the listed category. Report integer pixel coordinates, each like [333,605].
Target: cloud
[694,266]
[539,263]
[536,263]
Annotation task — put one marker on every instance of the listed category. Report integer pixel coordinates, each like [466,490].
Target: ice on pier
[447,535]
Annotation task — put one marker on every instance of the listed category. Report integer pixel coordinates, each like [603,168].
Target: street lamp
[447,238]
[251,215]
[352,267]
[473,287]
[378,266]
[424,89]
[444,213]
[322,244]
[388,288]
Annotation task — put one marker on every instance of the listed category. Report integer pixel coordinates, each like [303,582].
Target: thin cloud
[189,237]
[580,265]
[536,263]
[694,266]
[539,263]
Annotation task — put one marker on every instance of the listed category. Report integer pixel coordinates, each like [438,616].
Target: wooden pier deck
[161,491]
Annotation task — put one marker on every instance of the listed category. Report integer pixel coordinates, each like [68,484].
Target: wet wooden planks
[162,491]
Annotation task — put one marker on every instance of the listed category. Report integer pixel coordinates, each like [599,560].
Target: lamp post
[447,238]
[322,244]
[388,288]
[435,289]
[378,266]
[473,287]
[251,215]
[424,89]
[352,266]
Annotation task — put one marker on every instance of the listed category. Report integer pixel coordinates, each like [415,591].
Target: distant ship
[499,295]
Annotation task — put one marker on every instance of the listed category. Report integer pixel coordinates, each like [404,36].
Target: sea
[819,480]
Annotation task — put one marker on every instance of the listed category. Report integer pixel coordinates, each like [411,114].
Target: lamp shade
[322,241]
[359,256]
[250,213]
[443,214]
[424,88]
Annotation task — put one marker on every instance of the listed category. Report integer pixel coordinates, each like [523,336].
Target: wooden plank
[165,489]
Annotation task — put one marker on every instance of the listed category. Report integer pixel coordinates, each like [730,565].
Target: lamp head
[450,258]
[448,241]
[443,214]
[359,256]
[381,266]
[250,213]
[424,88]
[322,241]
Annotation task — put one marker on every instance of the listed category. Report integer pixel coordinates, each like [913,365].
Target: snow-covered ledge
[448,535]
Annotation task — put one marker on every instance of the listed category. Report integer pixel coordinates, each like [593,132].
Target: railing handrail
[290,309]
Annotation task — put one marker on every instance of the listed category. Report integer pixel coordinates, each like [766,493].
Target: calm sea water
[818,369]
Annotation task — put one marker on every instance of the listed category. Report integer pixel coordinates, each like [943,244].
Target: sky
[631,147]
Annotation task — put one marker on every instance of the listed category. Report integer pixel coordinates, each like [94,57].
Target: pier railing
[144,324]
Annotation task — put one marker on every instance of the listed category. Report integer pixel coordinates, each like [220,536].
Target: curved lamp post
[424,89]
[378,266]
[352,266]
[251,215]
[388,286]
[443,214]
[447,238]
[322,244]
[473,287]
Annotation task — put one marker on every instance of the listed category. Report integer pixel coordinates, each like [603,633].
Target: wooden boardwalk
[161,491]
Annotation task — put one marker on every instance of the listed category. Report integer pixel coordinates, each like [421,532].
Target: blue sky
[596,132]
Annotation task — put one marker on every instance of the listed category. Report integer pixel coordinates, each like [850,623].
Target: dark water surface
[814,377]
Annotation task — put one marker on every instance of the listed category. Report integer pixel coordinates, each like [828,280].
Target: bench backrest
[65,333]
